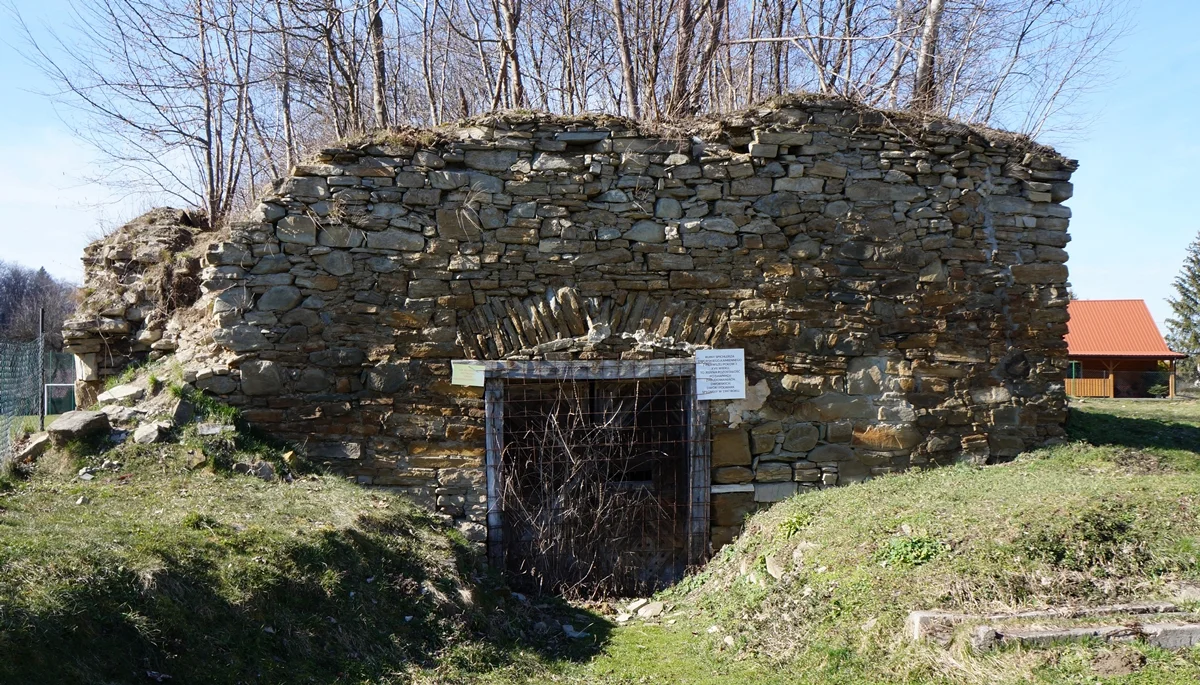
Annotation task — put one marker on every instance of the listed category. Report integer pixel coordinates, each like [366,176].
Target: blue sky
[1133,211]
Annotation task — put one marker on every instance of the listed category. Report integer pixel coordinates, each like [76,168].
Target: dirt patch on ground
[1118,662]
[1139,463]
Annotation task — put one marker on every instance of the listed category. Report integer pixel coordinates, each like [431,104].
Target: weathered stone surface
[884,436]
[148,433]
[728,509]
[34,447]
[731,447]
[393,239]
[698,279]
[217,385]
[490,160]
[772,472]
[878,191]
[801,438]
[865,376]
[774,492]
[241,338]
[78,425]
[830,453]
[297,229]
[646,232]
[261,378]
[733,474]
[833,405]
[338,263]
[279,299]
[340,236]
[1043,273]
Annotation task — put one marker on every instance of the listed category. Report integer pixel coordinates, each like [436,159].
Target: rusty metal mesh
[593,484]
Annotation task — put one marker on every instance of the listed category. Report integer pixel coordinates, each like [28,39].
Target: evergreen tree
[1183,329]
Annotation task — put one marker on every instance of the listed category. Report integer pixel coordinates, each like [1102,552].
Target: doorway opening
[594,477]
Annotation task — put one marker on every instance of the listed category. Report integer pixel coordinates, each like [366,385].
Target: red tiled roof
[1114,328]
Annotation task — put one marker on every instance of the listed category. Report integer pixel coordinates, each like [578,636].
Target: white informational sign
[466,372]
[720,374]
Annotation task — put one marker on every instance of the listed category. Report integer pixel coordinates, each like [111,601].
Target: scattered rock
[78,425]
[651,610]
[207,429]
[195,459]
[637,604]
[148,433]
[121,414]
[264,470]
[572,633]
[259,469]
[181,411]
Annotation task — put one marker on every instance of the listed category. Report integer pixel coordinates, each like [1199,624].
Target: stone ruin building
[898,288]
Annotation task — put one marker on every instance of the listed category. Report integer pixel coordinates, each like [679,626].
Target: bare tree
[923,90]
[202,100]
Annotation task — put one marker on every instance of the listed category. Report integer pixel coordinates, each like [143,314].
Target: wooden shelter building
[1116,350]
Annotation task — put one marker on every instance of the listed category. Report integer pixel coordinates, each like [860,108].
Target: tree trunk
[285,88]
[925,90]
[512,16]
[380,64]
[631,94]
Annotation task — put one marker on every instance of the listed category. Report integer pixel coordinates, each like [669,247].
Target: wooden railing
[1089,387]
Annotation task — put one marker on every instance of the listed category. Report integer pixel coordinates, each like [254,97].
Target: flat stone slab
[923,624]
[1169,635]
[121,393]
[214,429]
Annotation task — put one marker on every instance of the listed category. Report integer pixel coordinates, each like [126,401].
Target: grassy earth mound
[165,563]
[818,587]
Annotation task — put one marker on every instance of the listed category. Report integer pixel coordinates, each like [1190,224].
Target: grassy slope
[217,578]
[1113,520]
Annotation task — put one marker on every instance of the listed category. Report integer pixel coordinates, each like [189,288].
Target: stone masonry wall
[899,288]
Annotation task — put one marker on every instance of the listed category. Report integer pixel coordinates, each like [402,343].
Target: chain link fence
[21,391]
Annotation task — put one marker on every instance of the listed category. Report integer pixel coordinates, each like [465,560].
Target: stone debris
[78,425]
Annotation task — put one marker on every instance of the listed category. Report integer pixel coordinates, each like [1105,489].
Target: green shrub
[910,551]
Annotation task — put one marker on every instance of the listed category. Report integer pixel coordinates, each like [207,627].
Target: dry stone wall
[899,288]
